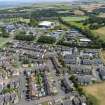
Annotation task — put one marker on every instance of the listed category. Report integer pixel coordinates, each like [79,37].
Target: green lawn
[45,103]
[74,18]
[3,41]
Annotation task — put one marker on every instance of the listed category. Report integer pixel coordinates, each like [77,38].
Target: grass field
[45,103]
[101,32]
[3,41]
[97,91]
[74,18]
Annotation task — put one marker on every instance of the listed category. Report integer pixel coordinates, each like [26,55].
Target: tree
[33,22]
[80,90]
[46,39]
[21,35]
[72,78]
[4,33]
[24,37]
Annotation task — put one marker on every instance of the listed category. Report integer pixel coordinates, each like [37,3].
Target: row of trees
[95,22]
[47,39]
[22,36]
[49,13]
[33,22]
[3,33]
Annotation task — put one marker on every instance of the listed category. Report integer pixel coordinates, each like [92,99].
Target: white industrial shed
[85,40]
[47,24]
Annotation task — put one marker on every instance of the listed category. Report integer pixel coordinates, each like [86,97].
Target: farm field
[97,91]
[74,18]
[57,6]
[100,32]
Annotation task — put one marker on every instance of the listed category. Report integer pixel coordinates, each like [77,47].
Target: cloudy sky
[37,0]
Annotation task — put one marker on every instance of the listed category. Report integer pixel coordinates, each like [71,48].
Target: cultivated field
[97,91]
[92,6]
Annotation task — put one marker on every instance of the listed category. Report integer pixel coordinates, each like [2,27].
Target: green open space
[3,41]
[74,18]
[96,93]
[45,103]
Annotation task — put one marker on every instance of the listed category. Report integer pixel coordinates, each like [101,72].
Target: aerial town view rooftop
[52,52]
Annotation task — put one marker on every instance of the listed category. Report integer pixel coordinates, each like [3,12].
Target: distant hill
[98,1]
[10,4]
[16,3]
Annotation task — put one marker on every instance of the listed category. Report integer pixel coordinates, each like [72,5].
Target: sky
[37,0]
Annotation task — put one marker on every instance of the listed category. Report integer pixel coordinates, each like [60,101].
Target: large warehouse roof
[85,40]
[45,23]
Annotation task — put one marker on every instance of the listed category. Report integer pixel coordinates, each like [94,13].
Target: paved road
[22,94]
[53,72]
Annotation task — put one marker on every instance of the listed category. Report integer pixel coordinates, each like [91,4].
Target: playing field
[74,18]
[98,91]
